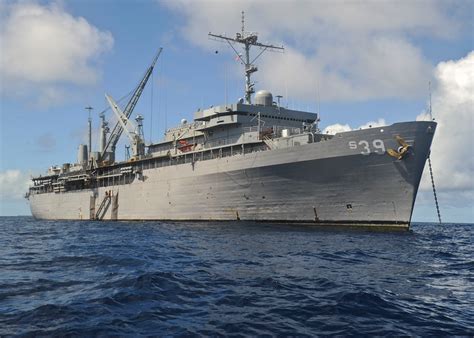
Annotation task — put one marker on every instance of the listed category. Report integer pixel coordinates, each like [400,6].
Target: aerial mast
[89,122]
[247,39]
[431,112]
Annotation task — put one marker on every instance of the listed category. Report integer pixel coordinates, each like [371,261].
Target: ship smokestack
[82,154]
[104,129]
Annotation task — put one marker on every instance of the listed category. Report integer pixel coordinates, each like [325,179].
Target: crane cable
[107,108]
[434,189]
[151,107]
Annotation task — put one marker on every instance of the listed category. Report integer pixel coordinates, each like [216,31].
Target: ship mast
[89,132]
[247,39]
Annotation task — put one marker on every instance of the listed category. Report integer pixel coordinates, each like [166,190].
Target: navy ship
[252,160]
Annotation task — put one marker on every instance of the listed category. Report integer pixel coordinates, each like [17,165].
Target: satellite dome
[263,98]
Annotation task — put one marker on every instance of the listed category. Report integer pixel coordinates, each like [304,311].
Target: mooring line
[434,189]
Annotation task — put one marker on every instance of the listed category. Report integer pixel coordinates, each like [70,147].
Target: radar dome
[263,98]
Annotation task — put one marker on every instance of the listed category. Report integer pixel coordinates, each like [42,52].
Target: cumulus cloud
[337,128]
[352,50]
[340,128]
[373,124]
[13,184]
[453,108]
[43,46]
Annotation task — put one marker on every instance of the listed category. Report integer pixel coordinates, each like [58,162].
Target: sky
[357,63]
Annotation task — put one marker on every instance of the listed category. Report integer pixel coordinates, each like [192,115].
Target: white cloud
[453,107]
[373,124]
[339,128]
[43,46]
[354,70]
[13,184]
[350,50]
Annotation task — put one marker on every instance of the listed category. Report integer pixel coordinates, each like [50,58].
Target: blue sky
[359,61]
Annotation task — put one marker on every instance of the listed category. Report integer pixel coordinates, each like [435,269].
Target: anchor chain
[434,189]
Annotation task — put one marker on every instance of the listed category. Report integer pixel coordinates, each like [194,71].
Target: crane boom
[118,128]
[127,125]
[130,128]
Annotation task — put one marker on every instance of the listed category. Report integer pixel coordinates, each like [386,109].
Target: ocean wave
[167,279]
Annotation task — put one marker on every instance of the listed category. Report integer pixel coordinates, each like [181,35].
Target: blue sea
[233,279]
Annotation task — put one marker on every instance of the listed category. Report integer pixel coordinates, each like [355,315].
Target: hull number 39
[377,146]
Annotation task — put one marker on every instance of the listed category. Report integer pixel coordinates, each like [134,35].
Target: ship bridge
[246,113]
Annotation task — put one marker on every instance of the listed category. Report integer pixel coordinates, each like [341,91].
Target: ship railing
[79,177]
[275,130]
[220,142]
[250,129]
[278,131]
[269,131]
[192,125]
[40,183]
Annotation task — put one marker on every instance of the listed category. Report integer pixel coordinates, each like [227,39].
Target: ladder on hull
[103,207]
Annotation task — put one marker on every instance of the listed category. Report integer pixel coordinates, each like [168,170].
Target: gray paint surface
[324,182]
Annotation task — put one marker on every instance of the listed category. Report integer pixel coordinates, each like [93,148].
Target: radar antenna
[247,39]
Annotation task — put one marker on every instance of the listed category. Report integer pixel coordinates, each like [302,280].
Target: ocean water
[233,279]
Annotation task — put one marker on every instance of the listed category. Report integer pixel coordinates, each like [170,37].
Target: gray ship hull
[347,180]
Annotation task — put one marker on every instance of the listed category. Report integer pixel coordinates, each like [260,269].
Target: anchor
[402,150]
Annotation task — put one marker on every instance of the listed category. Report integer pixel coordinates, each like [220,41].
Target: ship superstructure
[247,160]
